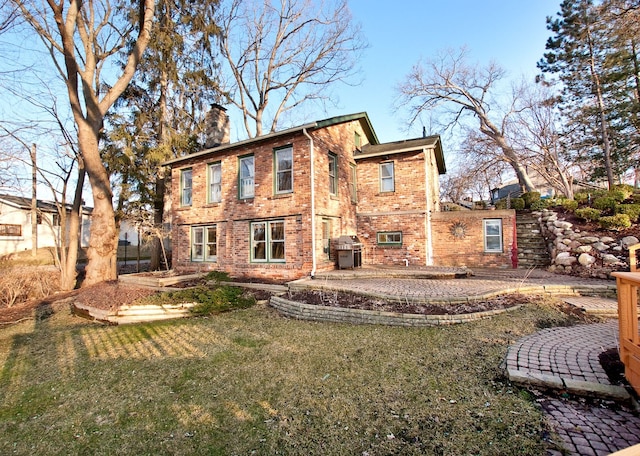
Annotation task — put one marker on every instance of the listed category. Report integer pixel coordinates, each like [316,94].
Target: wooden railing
[633,259]
[627,284]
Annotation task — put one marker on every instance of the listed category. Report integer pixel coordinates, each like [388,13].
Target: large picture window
[186,183]
[333,174]
[284,170]
[387,183]
[204,243]
[215,182]
[267,241]
[492,235]
[246,177]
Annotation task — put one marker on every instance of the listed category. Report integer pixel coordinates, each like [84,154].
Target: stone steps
[532,248]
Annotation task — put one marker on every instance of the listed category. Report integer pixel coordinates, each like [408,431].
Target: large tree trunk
[103,241]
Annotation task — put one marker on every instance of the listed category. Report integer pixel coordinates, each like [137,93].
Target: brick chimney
[216,126]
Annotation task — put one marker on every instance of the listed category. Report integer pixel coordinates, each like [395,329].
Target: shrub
[615,222]
[218,276]
[581,197]
[530,197]
[570,205]
[604,203]
[539,205]
[618,195]
[517,203]
[588,213]
[208,300]
[632,210]
[623,191]
[20,284]
[501,204]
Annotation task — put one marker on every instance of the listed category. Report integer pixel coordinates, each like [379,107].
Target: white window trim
[392,177]
[210,168]
[241,187]
[183,188]
[485,236]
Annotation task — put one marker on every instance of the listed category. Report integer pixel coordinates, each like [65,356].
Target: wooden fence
[627,284]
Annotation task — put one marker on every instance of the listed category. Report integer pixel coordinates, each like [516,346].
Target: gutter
[427,163]
[313,203]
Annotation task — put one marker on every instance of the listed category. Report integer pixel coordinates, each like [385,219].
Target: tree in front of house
[84,39]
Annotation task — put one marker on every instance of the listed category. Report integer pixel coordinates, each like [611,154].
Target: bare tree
[457,89]
[284,53]
[81,38]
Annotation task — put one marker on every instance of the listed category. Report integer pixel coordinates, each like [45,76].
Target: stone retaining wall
[304,311]
[574,251]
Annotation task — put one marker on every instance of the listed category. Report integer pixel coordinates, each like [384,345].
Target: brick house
[274,206]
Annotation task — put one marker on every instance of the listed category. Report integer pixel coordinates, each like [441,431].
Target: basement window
[492,229]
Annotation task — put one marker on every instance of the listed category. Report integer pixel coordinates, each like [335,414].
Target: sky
[511,33]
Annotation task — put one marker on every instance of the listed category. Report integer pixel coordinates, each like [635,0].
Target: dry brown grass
[23,283]
[252,382]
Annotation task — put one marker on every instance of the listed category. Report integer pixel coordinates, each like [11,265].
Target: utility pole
[34,203]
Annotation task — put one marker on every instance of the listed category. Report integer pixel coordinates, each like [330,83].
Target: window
[390,238]
[10,230]
[333,174]
[354,184]
[386,177]
[357,142]
[215,182]
[245,181]
[185,187]
[284,170]
[267,241]
[326,237]
[492,235]
[56,219]
[204,243]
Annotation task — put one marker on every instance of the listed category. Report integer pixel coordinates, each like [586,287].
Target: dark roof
[25,203]
[409,145]
[361,116]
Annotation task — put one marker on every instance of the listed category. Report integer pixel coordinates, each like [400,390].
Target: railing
[633,259]
[627,284]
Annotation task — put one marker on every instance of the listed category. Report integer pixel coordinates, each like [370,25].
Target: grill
[349,252]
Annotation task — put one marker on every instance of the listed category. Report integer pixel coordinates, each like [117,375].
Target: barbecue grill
[349,252]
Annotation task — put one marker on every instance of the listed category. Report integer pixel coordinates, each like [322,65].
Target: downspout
[427,162]
[313,203]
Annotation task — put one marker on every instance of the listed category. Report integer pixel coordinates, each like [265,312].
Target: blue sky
[510,32]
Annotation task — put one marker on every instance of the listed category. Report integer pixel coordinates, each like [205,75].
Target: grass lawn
[253,382]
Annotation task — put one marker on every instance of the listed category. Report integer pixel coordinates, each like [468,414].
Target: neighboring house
[16,224]
[276,206]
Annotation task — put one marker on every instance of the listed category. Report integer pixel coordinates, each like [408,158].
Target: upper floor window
[354,184]
[387,183]
[492,229]
[333,174]
[246,177]
[284,170]
[186,183]
[215,182]
[357,141]
[267,241]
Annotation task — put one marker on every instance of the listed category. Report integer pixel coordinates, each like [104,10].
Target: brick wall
[467,248]
[233,216]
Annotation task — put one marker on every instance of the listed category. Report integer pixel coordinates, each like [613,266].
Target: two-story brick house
[274,206]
